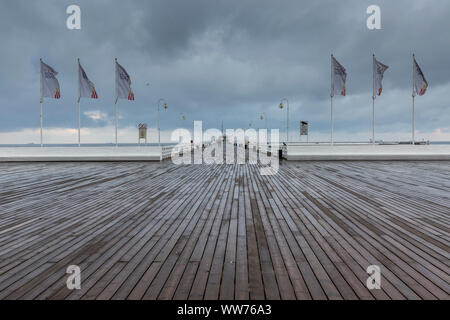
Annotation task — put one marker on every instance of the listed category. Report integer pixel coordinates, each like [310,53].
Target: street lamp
[263,117]
[159,128]
[182,118]
[287,118]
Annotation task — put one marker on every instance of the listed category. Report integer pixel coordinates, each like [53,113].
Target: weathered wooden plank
[161,231]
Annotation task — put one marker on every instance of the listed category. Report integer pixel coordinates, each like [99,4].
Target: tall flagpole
[159,128]
[373,100]
[287,122]
[331,96]
[115,103]
[79,108]
[413,96]
[41,100]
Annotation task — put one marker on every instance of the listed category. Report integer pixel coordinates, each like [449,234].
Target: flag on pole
[420,83]
[339,77]
[378,72]
[50,85]
[123,84]
[87,88]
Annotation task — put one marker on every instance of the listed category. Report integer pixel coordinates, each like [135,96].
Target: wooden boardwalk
[161,231]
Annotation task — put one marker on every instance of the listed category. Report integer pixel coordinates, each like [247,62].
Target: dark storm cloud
[226,60]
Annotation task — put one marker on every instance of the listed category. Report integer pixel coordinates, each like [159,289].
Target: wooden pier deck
[161,231]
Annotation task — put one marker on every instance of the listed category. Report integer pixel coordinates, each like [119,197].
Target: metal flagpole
[332,140]
[331,96]
[79,124]
[115,117]
[79,108]
[41,126]
[287,123]
[116,98]
[159,128]
[413,96]
[41,101]
[373,101]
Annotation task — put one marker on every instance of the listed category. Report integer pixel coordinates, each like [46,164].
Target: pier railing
[166,152]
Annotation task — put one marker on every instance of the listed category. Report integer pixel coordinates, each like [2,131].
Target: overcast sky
[225,60]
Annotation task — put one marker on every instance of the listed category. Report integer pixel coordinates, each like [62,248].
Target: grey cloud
[227,60]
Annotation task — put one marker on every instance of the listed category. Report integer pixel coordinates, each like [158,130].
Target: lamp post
[263,117]
[159,128]
[182,118]
[287,118]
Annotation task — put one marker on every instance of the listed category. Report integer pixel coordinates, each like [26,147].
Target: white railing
[269,148]
[166,152]
[312,143]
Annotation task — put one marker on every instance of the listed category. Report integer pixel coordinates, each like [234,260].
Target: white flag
[420,83]
[49,83]
[339,76]
[123,84]
[378,72]
[86,87]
